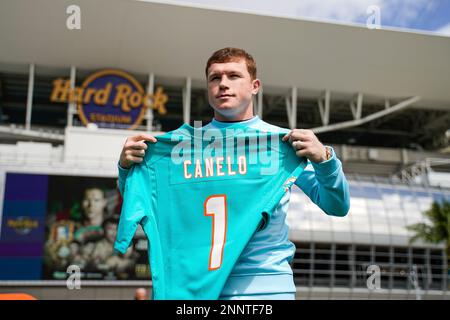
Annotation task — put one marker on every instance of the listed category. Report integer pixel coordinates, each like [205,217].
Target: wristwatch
[329,153]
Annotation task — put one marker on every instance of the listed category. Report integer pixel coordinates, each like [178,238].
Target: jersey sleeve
[138,192]
[122,177]
[325,184]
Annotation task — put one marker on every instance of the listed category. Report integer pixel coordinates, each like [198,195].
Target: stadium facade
[379,97]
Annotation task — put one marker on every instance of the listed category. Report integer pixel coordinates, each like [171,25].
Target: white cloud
[403,12]
[399,13]
[349,10]
[445,30]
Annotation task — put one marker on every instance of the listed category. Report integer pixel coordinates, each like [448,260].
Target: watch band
[328,151]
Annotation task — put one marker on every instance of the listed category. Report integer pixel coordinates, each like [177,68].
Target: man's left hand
[306,144]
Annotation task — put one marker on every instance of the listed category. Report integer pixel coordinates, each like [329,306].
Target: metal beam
[29,97]
[353,123]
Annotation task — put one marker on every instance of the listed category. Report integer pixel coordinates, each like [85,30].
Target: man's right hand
[133,150]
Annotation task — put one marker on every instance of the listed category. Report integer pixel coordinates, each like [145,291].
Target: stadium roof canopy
[175,40]
[329,63]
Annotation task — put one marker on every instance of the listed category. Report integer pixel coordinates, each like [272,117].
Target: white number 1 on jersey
[216,206]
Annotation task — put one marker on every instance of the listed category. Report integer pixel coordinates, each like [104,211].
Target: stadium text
[123,96]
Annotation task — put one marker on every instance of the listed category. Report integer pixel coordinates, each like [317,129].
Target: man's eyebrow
[215,73]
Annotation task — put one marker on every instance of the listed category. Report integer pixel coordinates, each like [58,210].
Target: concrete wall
[48,292]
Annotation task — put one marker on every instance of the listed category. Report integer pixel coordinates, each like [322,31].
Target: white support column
[150,91]
[29,97]
[288,110]
[344,153]
[71,105]
[187,101]
[357,110]
[387,104]
[259,110]
[324,109]
[291,108]
[294,108]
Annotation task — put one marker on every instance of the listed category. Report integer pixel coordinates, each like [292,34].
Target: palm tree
[439,229]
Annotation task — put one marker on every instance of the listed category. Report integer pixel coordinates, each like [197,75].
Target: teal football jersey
[199,196]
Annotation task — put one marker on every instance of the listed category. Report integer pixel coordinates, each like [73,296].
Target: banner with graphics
[23,226]
[51,222]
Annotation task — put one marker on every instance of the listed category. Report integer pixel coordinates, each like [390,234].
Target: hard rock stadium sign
[110,98]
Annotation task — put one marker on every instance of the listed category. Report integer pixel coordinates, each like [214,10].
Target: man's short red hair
[232,55]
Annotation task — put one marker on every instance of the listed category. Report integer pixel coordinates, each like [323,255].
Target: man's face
[74,248]
[230,88]
[111,232]
[94,203]
[88,249]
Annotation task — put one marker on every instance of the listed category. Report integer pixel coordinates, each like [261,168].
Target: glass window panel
[341,225]
[361,225]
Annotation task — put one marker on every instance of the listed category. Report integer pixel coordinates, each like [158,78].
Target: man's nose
[223,82]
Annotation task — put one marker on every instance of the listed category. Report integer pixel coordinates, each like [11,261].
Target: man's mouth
[221,96]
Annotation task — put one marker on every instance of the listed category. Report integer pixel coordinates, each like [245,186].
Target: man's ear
[256,86]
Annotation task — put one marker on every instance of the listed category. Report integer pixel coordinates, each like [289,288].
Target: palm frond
[439,228]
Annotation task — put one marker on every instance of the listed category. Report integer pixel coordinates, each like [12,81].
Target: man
[104,255]
[94,205]
[140,294]
[60,248]
[263,270]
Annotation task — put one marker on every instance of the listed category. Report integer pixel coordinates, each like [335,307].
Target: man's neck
[247,115]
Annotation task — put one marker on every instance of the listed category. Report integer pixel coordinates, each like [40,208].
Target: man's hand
[134,150]
[306,144]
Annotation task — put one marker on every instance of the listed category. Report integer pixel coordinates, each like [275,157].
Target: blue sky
[424,15]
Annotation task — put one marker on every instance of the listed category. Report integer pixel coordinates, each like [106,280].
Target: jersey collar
[220,124]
